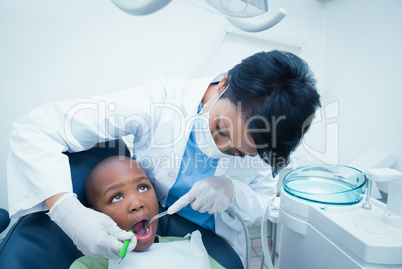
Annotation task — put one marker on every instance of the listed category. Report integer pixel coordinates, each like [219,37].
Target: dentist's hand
[213,194]
[94,233]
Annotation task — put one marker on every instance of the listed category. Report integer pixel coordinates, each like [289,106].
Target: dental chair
[35,241]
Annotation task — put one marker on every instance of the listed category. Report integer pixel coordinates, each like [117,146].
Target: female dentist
[206,145]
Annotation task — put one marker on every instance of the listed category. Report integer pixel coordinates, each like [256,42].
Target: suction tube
[230,211]
[250,25]
[264,234]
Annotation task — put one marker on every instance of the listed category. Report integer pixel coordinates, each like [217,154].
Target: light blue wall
[363,73]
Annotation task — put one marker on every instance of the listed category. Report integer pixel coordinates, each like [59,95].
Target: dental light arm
[140,7]
[393,212]
[252,23]
[259,23]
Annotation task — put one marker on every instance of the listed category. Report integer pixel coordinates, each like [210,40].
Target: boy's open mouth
[142,230]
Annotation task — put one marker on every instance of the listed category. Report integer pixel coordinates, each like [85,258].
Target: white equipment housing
[316,236]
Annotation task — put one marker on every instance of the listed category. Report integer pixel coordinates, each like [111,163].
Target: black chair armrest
[4,219]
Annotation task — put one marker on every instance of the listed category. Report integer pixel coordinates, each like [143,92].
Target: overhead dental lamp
[246,15]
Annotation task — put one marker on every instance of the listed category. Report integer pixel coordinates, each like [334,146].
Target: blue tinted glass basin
[334,185]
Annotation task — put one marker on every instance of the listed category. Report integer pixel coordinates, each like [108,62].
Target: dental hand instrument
[157,216]
[123,251]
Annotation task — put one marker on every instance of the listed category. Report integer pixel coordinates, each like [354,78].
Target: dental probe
[157,217]
[123,251]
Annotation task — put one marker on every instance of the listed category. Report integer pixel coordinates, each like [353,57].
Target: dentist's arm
[37,169]
[38,173]
[50,201]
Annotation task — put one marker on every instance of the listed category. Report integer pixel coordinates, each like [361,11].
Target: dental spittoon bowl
[333,185]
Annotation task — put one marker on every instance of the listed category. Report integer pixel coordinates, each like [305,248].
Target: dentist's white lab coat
[159,115]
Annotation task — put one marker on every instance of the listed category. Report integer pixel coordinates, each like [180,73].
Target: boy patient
[120,188]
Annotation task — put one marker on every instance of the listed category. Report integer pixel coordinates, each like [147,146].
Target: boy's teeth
[144,230]
[141,228]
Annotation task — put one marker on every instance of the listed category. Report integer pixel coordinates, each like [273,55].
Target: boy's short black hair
[90,179]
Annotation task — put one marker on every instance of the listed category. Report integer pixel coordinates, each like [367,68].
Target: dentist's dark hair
[277,96]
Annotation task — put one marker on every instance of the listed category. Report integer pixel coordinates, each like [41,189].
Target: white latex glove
[94,233]
[213,195]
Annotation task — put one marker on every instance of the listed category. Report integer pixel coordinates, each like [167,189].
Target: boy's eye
[116,198]
[142,188]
